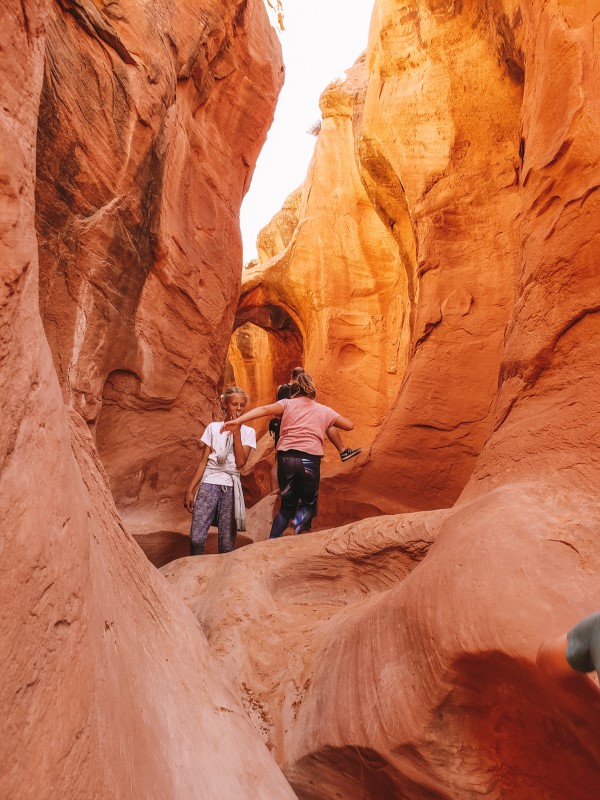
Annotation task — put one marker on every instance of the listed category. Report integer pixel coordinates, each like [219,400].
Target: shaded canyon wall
[108,687]
[151,119]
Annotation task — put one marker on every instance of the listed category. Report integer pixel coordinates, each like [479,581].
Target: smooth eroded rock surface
[400,270]
[438,274]
[334,281]
[396,656]
[108,687]
[151,119]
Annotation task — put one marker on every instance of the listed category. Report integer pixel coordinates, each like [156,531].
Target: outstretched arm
[272,410]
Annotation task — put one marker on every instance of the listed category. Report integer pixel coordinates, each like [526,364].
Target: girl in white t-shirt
[218,476]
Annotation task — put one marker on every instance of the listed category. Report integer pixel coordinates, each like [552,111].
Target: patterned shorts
[213,500]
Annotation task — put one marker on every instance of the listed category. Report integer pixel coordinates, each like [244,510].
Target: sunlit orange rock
[152,116]
[409,224]
[330,276]
[396,656]
[439,149]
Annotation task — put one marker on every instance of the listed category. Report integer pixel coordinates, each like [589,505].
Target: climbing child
[284,392]
[218,475]
[304,425]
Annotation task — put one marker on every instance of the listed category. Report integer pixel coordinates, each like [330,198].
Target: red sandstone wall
[392,656]
[107,688]
[417,253]
[455,207]
[337,275]
[152,116]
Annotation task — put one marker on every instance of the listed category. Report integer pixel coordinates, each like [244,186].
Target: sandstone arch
[267,343]
[331,258]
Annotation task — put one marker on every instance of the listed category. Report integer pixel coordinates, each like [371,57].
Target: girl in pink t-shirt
[304,425]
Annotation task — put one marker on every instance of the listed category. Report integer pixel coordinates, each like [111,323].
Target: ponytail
[304,386]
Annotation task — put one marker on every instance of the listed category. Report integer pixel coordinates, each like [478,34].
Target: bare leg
[335,437]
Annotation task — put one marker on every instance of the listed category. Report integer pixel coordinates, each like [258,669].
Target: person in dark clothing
[284,392]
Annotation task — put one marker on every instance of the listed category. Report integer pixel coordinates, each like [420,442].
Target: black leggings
[298,476]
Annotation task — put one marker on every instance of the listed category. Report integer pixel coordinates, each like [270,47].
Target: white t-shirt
[216,440]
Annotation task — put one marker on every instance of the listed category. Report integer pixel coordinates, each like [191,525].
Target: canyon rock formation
[437,272]
[407,235]
[151,119]
[394,657]
[330,278]
[108,687]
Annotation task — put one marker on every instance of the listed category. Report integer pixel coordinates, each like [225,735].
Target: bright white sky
[322,38]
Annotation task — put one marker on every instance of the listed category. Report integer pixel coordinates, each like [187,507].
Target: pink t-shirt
[304,424]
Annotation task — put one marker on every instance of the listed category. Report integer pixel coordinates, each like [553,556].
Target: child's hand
[233,425]
[188,500]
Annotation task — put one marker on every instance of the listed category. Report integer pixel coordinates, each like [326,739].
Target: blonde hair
[304,386]
[232,390]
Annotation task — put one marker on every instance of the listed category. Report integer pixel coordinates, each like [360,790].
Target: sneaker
[348,453]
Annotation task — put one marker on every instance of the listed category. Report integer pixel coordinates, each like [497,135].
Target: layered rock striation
[108,687]
[330,277]
[409,641]
[151,119]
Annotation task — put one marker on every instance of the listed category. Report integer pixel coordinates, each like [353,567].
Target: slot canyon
[437,273]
